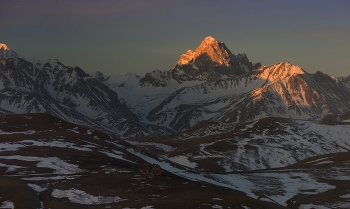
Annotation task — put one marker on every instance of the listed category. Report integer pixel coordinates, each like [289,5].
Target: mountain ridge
[217,52]
[210,60]
[68,93]
[6,52]
[190,93]
[209,83]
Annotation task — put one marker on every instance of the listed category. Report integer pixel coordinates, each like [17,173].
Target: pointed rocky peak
[210,61]
[99,76]
[216,51]
[323,77]
[186,58]
[345,79]
[3,47]
[209,41]
[279,71]
[6,52]
[321,73]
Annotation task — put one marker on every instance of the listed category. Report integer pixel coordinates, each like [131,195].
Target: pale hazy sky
[119,36]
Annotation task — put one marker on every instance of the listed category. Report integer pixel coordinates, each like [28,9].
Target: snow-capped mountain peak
[6,52]
[208,83]
[279,71]
[210,61]
[216,51]
[209,39]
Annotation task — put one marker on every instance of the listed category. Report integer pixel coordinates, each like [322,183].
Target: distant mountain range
[66,92]
[208,83]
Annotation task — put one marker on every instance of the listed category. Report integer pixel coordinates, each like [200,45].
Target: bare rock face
[151,170]
[216,51]
[210,60]
[156,170]
[145,168]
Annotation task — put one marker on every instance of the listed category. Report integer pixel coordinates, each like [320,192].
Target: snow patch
[7,204]
[81,197]
[147,207]
[117,155]
[165,148]
[183,160]
[54,143]
[17,132]
[60,166]
[324,162]
[314,161]
[44,178]
[36,188]
[346,196]
[11,167]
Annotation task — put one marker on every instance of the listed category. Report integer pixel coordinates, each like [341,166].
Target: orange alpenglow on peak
[4,46]
[209,39]
[280,71]
[216,51]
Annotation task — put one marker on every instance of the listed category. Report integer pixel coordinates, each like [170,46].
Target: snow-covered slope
[139,97]
[261,144]
[211,83]
[211,69]
[298,95]
[65,92]
[281,90]
[208,83]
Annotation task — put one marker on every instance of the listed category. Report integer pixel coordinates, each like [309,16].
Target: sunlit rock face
[208,83]
[6,52]
[216,51]
[3,46]
[210,61]
[279,71]
[211,83]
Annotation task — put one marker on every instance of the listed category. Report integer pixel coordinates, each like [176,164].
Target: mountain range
[208,83]
[66,92]
[277,133]
[211,83]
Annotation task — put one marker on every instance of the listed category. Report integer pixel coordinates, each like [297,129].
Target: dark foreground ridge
[46,162]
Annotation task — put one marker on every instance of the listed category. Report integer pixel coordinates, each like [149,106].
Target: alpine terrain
[214,131]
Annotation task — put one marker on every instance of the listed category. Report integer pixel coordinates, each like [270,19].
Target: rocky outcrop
[151,170]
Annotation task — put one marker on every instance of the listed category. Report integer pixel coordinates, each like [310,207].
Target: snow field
[60,166]
[286,183]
